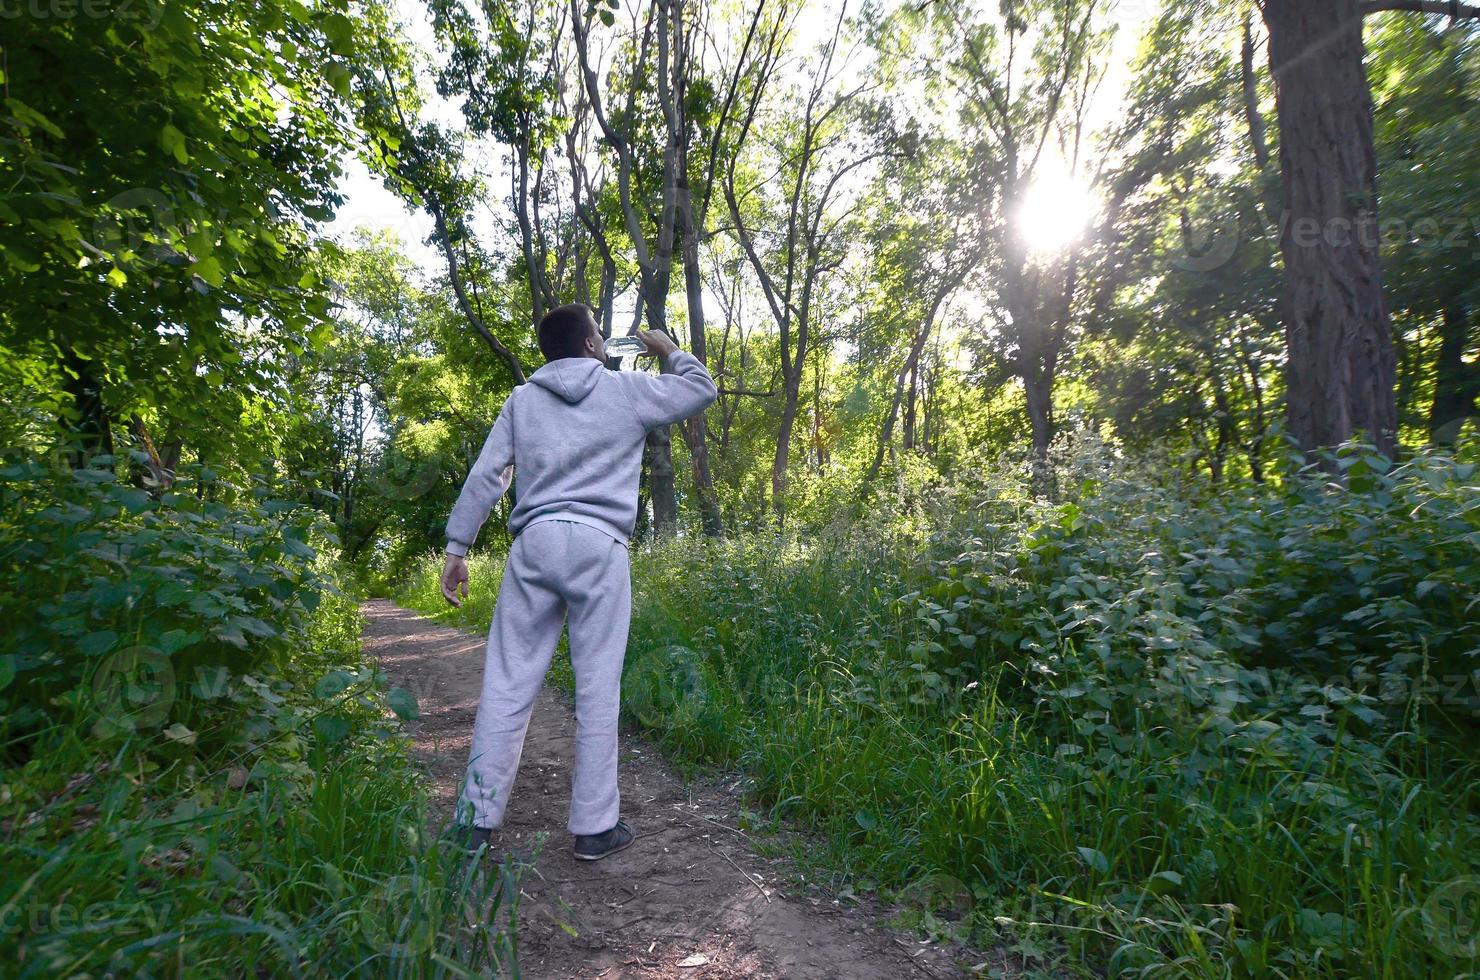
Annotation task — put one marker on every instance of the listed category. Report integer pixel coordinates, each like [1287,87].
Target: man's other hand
[659,344]
[455,579]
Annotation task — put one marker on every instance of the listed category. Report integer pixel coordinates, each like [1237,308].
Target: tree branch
[455,276]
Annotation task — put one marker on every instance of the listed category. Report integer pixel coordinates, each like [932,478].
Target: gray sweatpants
[555,568]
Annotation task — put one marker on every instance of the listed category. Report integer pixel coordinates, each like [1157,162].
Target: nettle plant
[153,613]
[1353,599]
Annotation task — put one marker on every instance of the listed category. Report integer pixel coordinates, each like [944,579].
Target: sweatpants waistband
[591,522]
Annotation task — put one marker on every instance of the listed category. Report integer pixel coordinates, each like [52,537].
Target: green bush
[1182,728]
[114,591]
[201,773]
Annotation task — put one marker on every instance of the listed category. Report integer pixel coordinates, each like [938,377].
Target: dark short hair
[563,331]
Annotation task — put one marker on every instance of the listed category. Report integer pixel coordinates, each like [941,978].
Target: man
[573,437]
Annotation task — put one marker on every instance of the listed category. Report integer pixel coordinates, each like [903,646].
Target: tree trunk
[783,449]
[606,294]
[655,265]
[1341,368]
[660,441]
[910,408]
[819,449]
[1252,115]
[696,431]
[917,346]
[464,302]
[1254,448]
[1227,429]
[1456,384]
[1038,393]
[157,472]
[534,268]
[90,427]
[659,451]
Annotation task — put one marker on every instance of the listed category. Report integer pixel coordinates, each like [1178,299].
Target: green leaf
[179,733]
[339,30]
[333,684]
[97,644]
[1095,859]
[172,640]
[171,594]
[403,704]
[29,117]
[210,270]
[255,626]
[866,820]
[1164,882]
[339,77]
[331,728]
[172,141]
[7,670]
[319,337]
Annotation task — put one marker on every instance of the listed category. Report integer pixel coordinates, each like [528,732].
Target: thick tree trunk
[659,451]
[1341,368]
[1456,384]
[655,264]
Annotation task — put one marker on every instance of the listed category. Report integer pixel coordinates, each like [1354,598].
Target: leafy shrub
[201,772]
[112,587]
[1191,729]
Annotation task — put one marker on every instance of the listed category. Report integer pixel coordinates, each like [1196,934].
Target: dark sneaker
[469,838]
[594,847]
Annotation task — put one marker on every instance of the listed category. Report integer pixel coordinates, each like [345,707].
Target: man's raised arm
[667,398]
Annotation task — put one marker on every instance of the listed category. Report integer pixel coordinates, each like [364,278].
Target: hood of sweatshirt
[572,378]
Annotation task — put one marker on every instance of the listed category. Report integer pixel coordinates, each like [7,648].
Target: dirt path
[690,890]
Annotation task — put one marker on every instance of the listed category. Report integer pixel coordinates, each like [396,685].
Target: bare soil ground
[690,898]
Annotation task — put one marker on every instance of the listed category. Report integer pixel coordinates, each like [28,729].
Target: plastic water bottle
[625,347]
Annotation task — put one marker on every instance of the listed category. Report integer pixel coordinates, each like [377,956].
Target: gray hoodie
[573,436]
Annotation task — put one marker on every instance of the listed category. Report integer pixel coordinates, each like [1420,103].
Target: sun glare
[1055,211]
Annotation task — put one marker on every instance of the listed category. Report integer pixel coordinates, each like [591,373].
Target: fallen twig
[713,822]
[911,952]
[746,874]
